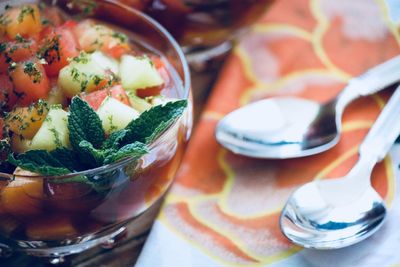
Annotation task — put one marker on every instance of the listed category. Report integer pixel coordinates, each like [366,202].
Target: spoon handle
[372,81]
[384,132]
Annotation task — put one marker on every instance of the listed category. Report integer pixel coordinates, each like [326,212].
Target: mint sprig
[90,147]
[114,140]
[84,125]
[153,122]
[39,161]
[90,155]
[136,149]
[69,158]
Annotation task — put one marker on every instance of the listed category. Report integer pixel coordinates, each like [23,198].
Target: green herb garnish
[39,161]
[90,147]
[84,124]
[3,47]
[31,69]
[4,20]
[153,122]
[122,37]
[26,11]
[50,50]
[81,58]
[136,149]
[86,6]
[21,39]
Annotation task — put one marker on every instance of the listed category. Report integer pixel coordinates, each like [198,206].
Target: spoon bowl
[331,225]
[334,213]
[290,127]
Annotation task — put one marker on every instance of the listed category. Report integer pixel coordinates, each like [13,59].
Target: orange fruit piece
[53,227]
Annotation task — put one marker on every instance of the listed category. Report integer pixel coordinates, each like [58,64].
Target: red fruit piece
[95,98]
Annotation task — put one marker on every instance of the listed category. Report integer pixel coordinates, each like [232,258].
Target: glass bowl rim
[186,82]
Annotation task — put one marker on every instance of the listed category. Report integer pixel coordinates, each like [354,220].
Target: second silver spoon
[334,213]
[290,127]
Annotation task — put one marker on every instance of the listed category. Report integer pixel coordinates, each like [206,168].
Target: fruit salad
[82,113]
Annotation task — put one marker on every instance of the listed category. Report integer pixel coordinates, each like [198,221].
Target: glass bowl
[56,216]
[204,28]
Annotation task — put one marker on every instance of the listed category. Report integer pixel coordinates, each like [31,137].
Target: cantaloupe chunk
[26,121]
[22,196]
[51,227]
[23,20]
[33,187]
[19,144]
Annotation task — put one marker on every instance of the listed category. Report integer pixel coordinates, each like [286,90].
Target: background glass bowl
[45,217]
[204,28]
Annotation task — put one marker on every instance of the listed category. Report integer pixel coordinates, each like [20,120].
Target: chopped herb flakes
[90,147]
[75,74]
[3,47]
[86,6]
[122,37]
[21,39]
[31,69]
[4,20]
[82,58]
[50,51]
[97,79]
[26,11]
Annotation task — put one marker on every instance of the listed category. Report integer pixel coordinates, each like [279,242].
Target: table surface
[126,252]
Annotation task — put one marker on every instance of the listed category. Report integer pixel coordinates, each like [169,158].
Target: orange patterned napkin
[223,209]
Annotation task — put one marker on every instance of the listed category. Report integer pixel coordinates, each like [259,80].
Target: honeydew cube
[138,103]
[54,131]
[76,78]
[115,115]
[106,62]
[138,73]
[87,73]
[161,100]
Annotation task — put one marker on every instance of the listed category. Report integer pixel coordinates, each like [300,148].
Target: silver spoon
[335,213]
[290,127]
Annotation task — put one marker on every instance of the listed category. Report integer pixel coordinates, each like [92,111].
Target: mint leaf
[84,124]
[153,122]
[136,149]
[69,159]
[5,143]
[39,161]
[91,149]
[114,139]
[91,155]
[5,148]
